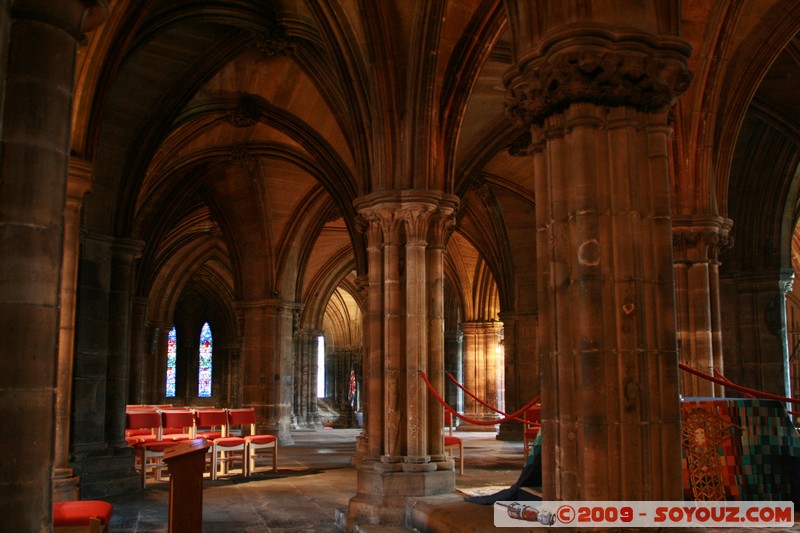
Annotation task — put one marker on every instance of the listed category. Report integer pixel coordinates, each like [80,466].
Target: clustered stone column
[39,41]
[404,328]
[760,359]
[697,242]
[305,412]
[481,366]
[597,105]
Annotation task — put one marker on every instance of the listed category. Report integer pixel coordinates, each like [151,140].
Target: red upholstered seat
[229,441]
[451,441]
[78,513]
[260,439]
[83,516]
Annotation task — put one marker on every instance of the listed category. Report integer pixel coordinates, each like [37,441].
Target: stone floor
[314,483]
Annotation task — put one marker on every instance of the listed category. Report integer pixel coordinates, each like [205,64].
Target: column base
[382,496]
[510,431]
[106,472]
[464,426]
[65,485]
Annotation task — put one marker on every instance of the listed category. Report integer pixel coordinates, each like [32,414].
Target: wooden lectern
[186,462]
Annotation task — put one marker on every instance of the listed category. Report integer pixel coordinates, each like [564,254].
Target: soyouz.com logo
[644,514]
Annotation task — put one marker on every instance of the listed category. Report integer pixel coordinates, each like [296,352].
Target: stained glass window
[172,358]
[206,347]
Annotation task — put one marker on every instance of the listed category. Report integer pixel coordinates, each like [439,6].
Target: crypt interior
[564,198]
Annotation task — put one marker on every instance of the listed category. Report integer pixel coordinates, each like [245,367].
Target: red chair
[253,443]
[225,449]
[139,425]
[177,424]
[452,442]
[149,451]
[83,516]
[209,427]
[532,425]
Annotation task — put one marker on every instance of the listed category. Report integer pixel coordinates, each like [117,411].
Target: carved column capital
[596,65]
[700,238]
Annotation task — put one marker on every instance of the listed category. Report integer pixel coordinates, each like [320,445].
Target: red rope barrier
[496,410]
[757,394]
[729,382]
[459,415]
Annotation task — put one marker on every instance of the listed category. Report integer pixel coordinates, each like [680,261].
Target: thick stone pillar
[597,103]
[481,366]
[104,466]
[405,231]
[697,243]
[521,360]
[760,359]
[37,55]
[263,382]
[120,300]
[65,484]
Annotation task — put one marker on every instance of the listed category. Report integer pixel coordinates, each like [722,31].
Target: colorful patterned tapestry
[739,449]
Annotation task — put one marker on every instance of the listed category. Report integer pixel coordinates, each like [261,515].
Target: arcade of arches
[565,197]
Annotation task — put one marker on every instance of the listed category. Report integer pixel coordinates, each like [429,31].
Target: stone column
[157,376]
[454,363]
[521,360]
[37,58]
[305,412]
[263,384]
[761,358]
[697,242]
[597,103]
[123,254]
[439,231]
[140,356]
[65,484]
[481,365]
[405,231]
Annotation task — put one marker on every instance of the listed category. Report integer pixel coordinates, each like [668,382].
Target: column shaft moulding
[596,101]
[698,242]
[65,484]
[406,236]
